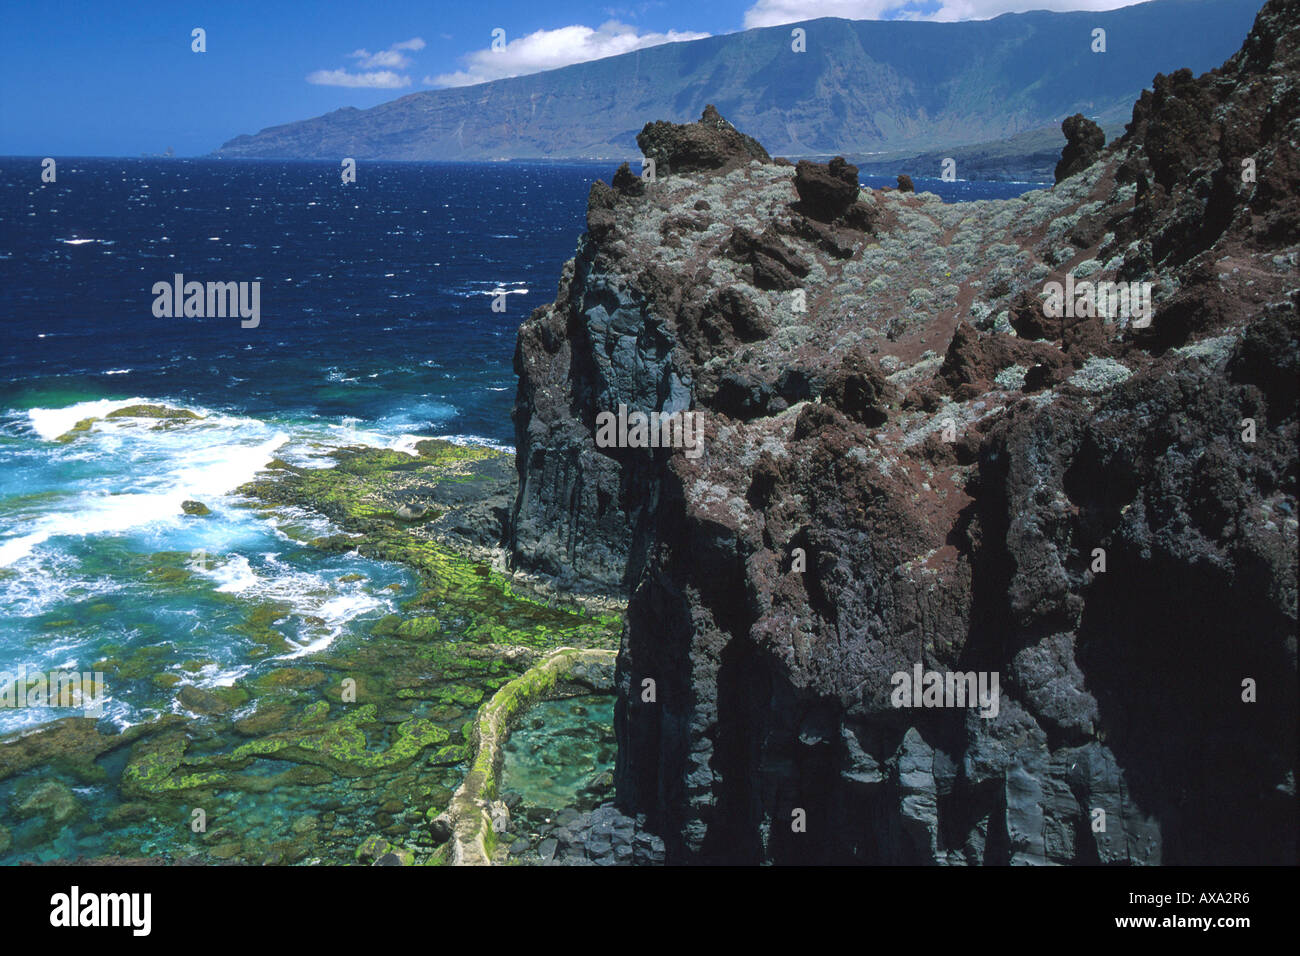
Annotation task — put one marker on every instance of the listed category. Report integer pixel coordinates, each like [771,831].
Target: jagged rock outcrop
[627,182]
[826,191]
[709,144]
[907,462]
[1084,141]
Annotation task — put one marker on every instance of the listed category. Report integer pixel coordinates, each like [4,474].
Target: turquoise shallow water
[559,749]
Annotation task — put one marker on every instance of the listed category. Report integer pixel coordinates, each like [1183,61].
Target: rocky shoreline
[363,744]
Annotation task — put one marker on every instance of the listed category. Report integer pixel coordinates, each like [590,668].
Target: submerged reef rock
[1048,443]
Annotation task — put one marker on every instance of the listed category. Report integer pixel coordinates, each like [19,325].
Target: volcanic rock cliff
[907,462]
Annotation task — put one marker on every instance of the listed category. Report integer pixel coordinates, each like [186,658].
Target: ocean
[376,327]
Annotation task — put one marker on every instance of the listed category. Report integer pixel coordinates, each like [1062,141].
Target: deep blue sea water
[375,296]
[376,327]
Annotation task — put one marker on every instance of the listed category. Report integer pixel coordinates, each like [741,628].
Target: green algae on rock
[80,428]
[70,745]
[340,745]
[460,596]
[164,412]
[164,415]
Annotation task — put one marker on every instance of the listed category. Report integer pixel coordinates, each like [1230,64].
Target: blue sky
[120,78]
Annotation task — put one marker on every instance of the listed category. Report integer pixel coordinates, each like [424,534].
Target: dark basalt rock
[826,191]
[743,396]
[1268,356]
[800,384]
[859,216]
[1084,140]
[775,265]
[1201,304]
[726,319]
[604,837]
[627,182]
[600,209]
[709,144]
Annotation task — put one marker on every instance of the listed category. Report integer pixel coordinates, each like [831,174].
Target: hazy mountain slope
[861,87]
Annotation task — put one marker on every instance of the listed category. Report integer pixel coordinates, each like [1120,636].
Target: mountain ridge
[862,87]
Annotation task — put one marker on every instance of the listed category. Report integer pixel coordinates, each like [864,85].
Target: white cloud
[378,80]
[380,67]
[766,13]
[389,58]
[550,49]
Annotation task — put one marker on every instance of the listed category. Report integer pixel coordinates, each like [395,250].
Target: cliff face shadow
[1166,653]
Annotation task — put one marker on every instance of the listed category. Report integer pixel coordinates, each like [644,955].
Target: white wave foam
[43,585]
[15,548]
[50,423]
[324,609]
[155,470]
[234,576]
